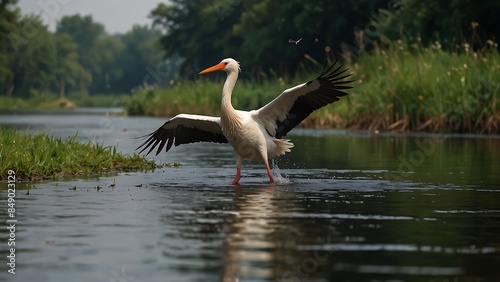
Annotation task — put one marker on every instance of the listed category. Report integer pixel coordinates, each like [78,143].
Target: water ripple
[393,269]
[343,216]
[398,248]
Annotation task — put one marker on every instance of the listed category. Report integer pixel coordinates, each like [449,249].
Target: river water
[348,206]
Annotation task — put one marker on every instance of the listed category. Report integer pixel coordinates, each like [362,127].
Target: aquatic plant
[405,86]
[38,157]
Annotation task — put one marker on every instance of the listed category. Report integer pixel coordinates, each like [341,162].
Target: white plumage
[257,134]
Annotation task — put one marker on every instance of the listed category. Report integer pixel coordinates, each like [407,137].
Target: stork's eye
[225,63]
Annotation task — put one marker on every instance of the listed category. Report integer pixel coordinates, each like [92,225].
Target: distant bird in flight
[255,135]
[293,41]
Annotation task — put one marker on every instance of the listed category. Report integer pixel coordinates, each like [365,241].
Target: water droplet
[316,39]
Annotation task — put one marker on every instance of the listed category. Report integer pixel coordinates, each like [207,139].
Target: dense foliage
[78,57]
[271,38]
[262,33]
[399,88]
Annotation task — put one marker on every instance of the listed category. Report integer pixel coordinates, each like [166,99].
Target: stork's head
[228,65]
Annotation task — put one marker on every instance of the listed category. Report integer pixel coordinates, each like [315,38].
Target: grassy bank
[408,87]
[38,157]
[401,87]
[52,101]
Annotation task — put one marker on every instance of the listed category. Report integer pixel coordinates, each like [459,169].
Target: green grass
[401,87]
[200,97]
[52,101]
[408,87]
[19,103]
[98,100]
[39,157]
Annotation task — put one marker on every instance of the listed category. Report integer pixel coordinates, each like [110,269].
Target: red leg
[239,162]
[269,173]
[238,176]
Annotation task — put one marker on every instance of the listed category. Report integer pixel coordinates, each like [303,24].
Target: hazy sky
[115,15]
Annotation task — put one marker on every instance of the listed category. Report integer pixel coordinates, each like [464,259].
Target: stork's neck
[229,116]
[227,91]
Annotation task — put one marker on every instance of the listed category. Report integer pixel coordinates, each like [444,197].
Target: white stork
[257,134]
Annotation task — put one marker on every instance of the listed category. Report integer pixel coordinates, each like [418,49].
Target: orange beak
[219,66]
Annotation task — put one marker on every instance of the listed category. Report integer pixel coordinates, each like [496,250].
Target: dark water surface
[350,206]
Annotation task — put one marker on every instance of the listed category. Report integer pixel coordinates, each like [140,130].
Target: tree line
[79,56]
[278,36]
[269,37]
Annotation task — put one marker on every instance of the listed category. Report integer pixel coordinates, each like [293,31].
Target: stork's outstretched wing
[295,104]
[184,129]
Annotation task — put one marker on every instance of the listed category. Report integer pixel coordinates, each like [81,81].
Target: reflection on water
[358,207]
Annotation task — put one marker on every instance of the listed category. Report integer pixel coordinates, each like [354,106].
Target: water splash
[278,177]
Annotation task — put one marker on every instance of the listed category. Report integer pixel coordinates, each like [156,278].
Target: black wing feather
[329,91]
[169,135]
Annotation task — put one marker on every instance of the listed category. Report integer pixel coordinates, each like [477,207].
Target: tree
[33,61]
[107,51]
[86,33]
[142,55]
[9,15]
[39,60]
[269,29]
[445,21]
[196,30]
[67,70]
[80,56]
[258,32]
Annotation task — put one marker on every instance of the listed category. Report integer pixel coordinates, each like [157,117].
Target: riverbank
[39,157]
[401,87]
[52,101]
